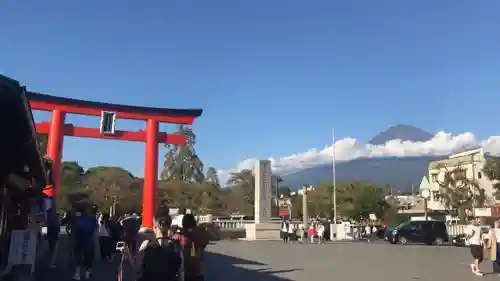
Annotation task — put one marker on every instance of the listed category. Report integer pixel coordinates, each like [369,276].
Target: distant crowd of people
[315,232]
[172,250]
[367,231]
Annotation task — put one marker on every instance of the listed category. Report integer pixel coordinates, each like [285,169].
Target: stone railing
[230,224]
[456,229]
[240,224]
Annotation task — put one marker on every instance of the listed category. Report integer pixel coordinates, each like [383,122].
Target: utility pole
[334,178]
[305,220]
[278,180]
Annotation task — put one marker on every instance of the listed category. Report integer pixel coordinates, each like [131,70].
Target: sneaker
[477,273]
[77,276]
[87,274]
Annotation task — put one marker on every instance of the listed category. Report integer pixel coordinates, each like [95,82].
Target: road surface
[275,261]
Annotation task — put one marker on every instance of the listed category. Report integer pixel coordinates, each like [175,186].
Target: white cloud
[349,148]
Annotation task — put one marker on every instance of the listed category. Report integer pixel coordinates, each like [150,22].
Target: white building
[433,203]
[405,202]
[472,163]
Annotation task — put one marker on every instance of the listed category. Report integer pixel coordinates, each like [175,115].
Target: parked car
[388,234]
[427,232]
[459,240]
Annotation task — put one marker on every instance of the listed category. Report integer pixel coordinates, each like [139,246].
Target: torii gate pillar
[54,149]
[150,173]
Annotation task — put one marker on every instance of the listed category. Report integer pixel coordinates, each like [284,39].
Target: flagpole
[334,179]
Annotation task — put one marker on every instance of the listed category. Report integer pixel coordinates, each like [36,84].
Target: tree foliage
[183,184]
[212,176]
[103,186]
[242,191]
[458,192]
[492,171]
[181,161]
[355,200]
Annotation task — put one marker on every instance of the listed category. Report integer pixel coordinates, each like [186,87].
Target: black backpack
[161,261]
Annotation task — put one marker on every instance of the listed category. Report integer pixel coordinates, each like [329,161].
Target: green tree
[492,171]
[242,186]
[212,176]
[182,162]
[458,192]
[72,190]
[355,200]
[109,186]
[368,199]
[169,193]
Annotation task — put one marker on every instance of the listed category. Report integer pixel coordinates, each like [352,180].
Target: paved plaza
[275,261]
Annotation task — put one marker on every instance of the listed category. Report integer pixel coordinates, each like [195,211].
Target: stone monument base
[262,231]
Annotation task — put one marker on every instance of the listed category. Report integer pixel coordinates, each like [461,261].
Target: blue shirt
[53,227]
[85,227]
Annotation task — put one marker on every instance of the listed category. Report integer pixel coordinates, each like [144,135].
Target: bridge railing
[456,229]
[240,224]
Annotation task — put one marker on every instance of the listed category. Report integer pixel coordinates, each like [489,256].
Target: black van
[427,232]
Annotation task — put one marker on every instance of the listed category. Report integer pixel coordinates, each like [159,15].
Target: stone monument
[262,228]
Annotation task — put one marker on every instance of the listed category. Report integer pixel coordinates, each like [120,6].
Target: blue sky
[273,76]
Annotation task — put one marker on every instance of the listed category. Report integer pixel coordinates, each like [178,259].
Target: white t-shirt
[368,229]
[103,231]
[284,227]
[474,231]
[321,230]
[178,220]
[496,232]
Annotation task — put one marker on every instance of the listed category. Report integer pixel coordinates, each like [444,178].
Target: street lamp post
[278,180]
[425,194]
[305,220]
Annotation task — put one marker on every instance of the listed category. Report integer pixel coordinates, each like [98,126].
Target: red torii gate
[57,129]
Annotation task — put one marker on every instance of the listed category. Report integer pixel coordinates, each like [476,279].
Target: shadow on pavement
[64,270]
[217,267]
[225,268]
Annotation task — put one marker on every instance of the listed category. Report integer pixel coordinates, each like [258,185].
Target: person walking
[130,226]
[476,245]
[320,229]
[84,229]
[494,246]
[302,233]
[284,230]
[291,232]
[193,241]
[311,233]
[374,232]
[106,244]
[115,231]
[368,233]
[159,258]
[53,229]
